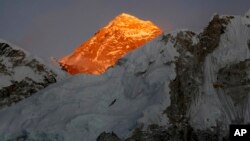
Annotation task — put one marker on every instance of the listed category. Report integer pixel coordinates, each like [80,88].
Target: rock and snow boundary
[22,74]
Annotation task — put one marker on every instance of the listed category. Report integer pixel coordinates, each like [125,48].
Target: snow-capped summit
[179,86]
[21,74]
[121,35]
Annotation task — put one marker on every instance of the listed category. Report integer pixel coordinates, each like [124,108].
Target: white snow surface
[79,108]
[19,73]
[213,106]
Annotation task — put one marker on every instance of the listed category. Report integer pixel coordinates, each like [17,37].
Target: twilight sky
[55,27]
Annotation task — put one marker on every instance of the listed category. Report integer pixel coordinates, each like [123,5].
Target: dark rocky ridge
[21,89]
[108,137]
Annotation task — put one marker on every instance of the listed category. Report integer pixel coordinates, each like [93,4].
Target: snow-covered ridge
[180,82]
[132,94]
[13,46]
[21,74]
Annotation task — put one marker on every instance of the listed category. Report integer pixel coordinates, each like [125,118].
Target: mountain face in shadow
[21,74]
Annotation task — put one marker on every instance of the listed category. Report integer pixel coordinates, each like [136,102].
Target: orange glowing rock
[109,44]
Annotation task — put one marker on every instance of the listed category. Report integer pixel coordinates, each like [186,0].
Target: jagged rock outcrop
[108,137]
[20,74]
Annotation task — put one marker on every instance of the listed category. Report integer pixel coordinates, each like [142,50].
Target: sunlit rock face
[121,35]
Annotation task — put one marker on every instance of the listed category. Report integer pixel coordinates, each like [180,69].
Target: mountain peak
[21,74]
[123,34]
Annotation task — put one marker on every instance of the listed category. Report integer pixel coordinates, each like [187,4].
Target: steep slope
[123,34]
[21,75]
[132,94]
[211,88]
[181,86]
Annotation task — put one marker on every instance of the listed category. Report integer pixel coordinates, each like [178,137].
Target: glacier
[78,107]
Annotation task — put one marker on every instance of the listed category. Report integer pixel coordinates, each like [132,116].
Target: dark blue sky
[55,27]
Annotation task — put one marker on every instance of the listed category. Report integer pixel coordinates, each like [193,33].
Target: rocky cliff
[21,75]
[211,87]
